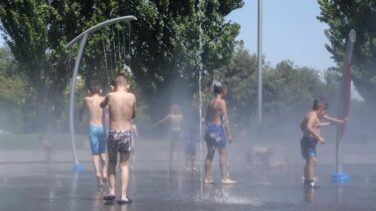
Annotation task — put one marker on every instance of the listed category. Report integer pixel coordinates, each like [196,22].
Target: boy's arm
[334,120]
[310,129]
[226,122]
[302,126]
[104,102]
[105,117]
[134,109]
[135,131]
[322,124]
[161,121]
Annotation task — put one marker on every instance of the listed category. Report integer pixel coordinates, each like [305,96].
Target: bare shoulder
[87,99]
[131,96]
[110,94]
[311,115]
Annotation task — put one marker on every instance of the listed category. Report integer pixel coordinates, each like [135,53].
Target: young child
[190,150]
[176,120]
[217,128]
[122,110]
[310,127]
[96,130]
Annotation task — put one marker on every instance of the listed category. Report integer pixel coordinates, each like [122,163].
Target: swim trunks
[97,140]
[215,136]
[119,141]
[308,147]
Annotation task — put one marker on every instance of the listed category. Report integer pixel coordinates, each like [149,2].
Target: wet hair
[120,80]
[95,87]
[218,87]
[319,103]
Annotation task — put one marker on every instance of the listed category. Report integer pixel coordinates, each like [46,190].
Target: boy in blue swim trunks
[96,130]
[122,110]
[217,128]
[310,127]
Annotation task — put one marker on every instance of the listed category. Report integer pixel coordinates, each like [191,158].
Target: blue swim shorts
[308,147]
[215,136]
[97,140]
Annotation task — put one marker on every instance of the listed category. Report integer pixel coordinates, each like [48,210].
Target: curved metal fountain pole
[83,36]
[71,102]
[101,25]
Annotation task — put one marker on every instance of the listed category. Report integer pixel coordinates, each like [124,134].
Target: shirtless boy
[122,110]
[310,127]
[175,119]
[217,127]
[96,130]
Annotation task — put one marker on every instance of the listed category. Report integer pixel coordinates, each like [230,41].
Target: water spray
[83,37]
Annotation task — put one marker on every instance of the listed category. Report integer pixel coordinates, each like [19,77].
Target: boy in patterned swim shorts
[122,110]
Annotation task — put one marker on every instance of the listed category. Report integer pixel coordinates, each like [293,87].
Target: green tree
[12,93]
[342,16]
[240,76]
[163,45]
[288,90]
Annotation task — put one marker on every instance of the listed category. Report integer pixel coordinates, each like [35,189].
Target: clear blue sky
[290,31]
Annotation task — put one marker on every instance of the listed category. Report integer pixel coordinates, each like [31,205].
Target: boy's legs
[97,166]
[172,149]
[309,169]
[223,166]
[222,162]
[95,150]
[104,162]
[124,172]
[112,156]
[208,162]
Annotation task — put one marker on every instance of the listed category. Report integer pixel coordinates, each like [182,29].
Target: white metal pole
[71,103]
[259,60]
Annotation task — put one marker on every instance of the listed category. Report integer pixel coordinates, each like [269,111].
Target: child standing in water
[96,130]
[310,127]
[175,118]
[190,150]
[122,110]
[217,128]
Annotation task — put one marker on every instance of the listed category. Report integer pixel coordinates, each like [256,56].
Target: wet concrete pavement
[156,186]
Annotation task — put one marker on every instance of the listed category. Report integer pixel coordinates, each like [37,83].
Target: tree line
[162,49]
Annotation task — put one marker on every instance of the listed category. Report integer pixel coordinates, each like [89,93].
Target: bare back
[216,111]
[121,105]
[95,111]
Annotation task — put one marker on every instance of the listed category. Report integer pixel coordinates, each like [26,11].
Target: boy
[122,109]
[176,120]
[190,150]
[96,130]
[310,127]
[217,127]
